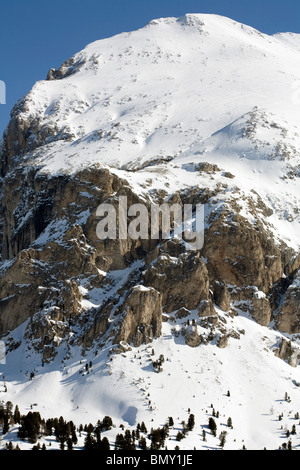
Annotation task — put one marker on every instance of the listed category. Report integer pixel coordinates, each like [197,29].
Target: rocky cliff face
[70,287]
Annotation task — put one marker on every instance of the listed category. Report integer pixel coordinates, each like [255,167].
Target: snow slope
[127,388]
[162,89]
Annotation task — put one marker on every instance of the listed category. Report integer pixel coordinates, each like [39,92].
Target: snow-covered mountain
[198,109]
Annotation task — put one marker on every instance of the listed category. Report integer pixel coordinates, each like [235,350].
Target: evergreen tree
[30,426]
[90,442]
[9,446]
[229,423]
[191,422]
[158,437]
[212,426]
[143,428]
[69,444]
[143,443]
[128,443]
[179,436]
[36,447]
[9,409]
[171,421]
[105,446]
[119,441]
[61,430]
[5,427]
[223,438]
[106,424]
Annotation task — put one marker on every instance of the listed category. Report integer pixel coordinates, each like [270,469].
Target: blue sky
[36,35]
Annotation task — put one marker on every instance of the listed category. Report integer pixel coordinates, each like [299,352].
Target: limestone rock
[142,320]
[182,281]
[182,313]
[240,254]
[192,337]
[206,309]
[223,341]
[288,318]
[287,353]
[222,296]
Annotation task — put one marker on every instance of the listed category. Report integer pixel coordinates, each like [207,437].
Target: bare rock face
[206,309]
[183,281]
[222,296]
[142,316]
[255,301]
[26,132]
[19,291]
[192,337]
[240,254]
[287,353]
[288,318]
[69,67]
[33,201]
[223,341]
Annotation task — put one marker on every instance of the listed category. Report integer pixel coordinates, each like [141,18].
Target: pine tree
[171,421]
[17,415]
[69,444]
[30,426]
[9,409]
[9,446]
[223,438]
[158,437]
[179,436]
[36,447]
[89,442]
[191,422]
[106,424]
[5,427]
[143,428]
[229,423]
[212,426]
[143,443]
[105,446]
[119,441]
[128,443]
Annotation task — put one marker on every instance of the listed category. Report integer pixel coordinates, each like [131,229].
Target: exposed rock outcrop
[183,281]
[241,254]
[288,318]
[222,296]
[192,337]
[287,353]
[142,316]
